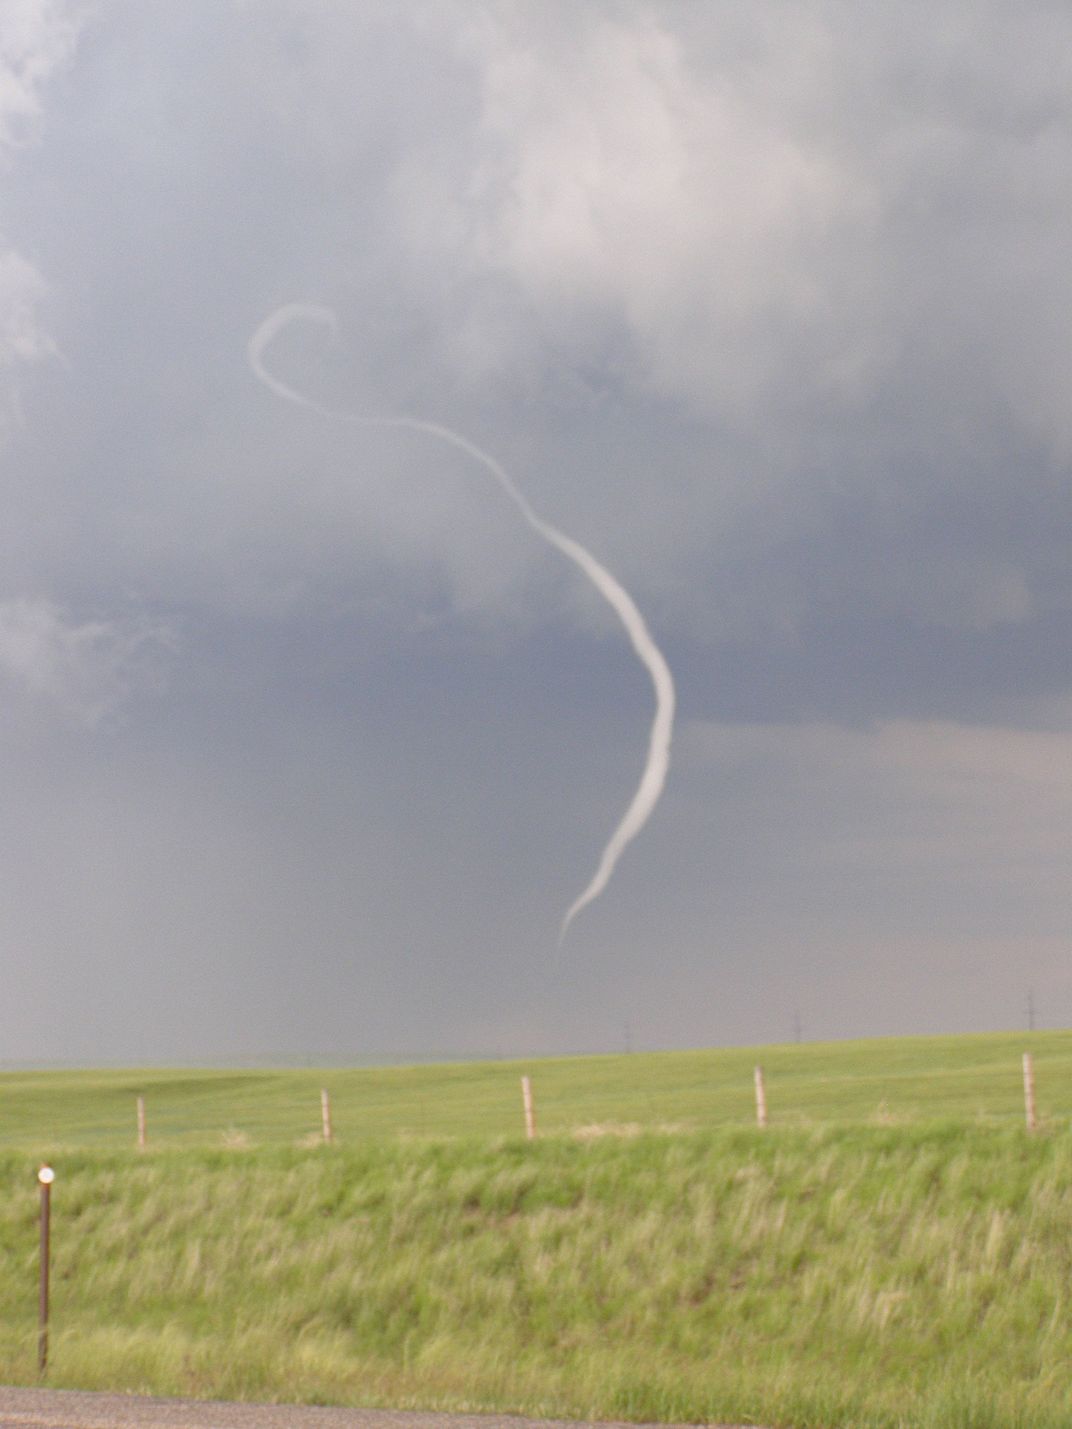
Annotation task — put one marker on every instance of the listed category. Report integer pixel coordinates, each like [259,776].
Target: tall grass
[880,1275]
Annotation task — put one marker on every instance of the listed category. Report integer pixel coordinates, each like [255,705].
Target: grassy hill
[900,1080]
[894,1250]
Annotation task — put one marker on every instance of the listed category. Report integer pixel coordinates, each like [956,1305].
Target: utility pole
[1031,1009]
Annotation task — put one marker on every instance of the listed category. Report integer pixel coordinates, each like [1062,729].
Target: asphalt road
[73,1409]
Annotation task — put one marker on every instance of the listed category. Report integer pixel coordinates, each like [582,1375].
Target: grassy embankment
[876,1267]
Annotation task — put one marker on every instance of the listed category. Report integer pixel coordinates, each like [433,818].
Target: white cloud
[36,39]
[776,211]
[21,289]
[611,176]
[85,669]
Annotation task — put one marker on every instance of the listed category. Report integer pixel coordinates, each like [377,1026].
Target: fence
[907,1081]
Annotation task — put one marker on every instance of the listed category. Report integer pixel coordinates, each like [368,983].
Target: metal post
[45,1177]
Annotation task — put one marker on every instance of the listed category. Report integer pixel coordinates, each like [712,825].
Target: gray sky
[306,742]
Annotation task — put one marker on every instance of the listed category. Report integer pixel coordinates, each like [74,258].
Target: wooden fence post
[141,1123]
[530,1111]
[325,1114]
[761,1099]
[1030,1113]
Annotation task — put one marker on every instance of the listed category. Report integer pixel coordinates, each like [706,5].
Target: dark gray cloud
[307,742]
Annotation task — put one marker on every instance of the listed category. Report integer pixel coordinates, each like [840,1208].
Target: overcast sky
[307,742]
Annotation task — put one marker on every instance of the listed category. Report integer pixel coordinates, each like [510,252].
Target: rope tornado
[653,777]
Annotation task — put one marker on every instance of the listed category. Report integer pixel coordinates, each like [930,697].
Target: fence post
[1030,1113]
[45,1178]
[325,1114]
[761,1098]
[530,1111]
[141,1123]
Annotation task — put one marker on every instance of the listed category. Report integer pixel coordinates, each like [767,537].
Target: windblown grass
[861,1275]
[894,1250]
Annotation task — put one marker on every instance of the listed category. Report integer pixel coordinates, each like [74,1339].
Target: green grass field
[900,1080]
[895,1249]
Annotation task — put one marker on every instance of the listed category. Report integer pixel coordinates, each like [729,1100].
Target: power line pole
[1031,1009]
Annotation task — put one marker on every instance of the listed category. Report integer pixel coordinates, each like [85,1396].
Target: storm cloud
[304,736]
